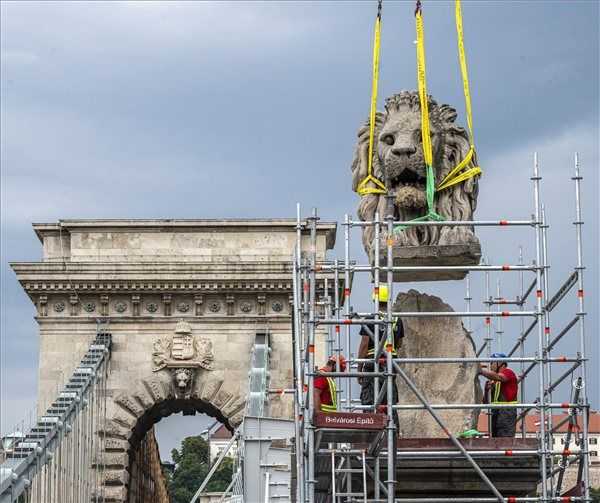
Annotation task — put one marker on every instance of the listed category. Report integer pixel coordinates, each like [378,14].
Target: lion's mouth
[408,177]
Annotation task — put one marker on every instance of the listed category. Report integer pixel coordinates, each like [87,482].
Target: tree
[192,464]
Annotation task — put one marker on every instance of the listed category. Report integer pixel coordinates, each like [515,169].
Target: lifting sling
[372,185]
[379,187]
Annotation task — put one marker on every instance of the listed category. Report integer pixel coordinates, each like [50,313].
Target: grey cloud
[241,109]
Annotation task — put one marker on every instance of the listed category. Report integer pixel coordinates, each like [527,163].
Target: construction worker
[502,387]
[325,389]
[366,349]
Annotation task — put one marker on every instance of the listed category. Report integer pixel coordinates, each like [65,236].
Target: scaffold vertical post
[377,307]
[391,440]
[548,366]
[311,353]
[298,366]
[338,342]
[347,294]
[521,301]
[581,315]
[540,326]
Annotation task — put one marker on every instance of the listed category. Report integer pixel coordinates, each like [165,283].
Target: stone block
[446,383]
[114,494]
[112,429]
[130,404]
[115,444]
[115,477]
[438,255]
[111,459]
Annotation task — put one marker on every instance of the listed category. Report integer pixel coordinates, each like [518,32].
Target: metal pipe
[376,347]
[521,300]
[347,293]
[338,341]
[557,359]
[547,366]
[437,419]
[468,299]
[572,422]
[311,358]
[298,367]
[581,314]
[523,336]
[488,343]
[391,426]
[360,318]
[563,332]
[214,467]
[400,268]
[453,223]
[448,406]
[539,313]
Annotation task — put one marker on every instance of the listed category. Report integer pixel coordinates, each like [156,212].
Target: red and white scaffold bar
[332,313]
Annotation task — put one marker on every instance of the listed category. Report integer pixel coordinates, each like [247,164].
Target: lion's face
[399,162]
[400,151]
[182,378]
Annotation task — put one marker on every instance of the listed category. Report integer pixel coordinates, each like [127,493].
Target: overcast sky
[207,110]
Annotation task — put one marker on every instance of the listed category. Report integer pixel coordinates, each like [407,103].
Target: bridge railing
[55,461]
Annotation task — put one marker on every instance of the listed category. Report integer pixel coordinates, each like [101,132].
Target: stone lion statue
[398,162]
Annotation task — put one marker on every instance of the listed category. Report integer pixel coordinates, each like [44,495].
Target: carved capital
[135,304]
[262,305]
[43,305]
[167,298]
[230,300]
[199,303]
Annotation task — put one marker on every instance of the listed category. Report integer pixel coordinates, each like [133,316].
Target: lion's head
[182,379]
[398,161]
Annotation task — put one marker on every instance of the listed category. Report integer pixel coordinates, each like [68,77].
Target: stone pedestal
[437,256]
[441,383]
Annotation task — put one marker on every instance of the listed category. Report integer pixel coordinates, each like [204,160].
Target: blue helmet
[498,355]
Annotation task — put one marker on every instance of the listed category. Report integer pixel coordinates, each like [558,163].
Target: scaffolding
[360,465]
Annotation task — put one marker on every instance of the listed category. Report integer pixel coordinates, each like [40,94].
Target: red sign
[350,421]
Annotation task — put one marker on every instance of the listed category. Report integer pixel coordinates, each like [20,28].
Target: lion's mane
[457,202]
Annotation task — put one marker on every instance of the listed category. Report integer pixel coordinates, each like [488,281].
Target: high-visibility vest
[496,398]
[371,351]
[333,392]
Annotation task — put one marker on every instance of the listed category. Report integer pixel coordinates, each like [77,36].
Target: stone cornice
[182,225]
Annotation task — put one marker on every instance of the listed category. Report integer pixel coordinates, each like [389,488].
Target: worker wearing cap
[325,389]
[366,349]
[502,387]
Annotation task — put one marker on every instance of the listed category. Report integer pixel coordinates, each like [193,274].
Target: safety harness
[333,392]
[392,349]
[496,395]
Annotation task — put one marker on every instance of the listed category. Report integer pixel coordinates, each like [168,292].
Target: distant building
[218,442]
[532,426]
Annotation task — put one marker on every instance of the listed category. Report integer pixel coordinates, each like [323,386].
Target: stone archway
[136,412]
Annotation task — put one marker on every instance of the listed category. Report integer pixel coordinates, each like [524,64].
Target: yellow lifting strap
[455,176]
[377,187]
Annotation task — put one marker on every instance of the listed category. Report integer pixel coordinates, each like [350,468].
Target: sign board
[351,421]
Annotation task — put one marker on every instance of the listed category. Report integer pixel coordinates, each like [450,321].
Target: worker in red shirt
[325,389]
[502,387]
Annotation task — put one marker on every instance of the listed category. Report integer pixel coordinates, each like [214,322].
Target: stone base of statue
[441,383]
[434,256]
